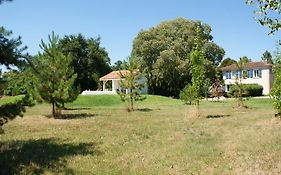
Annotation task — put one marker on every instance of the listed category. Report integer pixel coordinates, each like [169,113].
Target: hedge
[10,107]
[250,90]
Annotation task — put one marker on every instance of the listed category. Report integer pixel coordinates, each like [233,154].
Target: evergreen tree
[266,57]
[131,84]
[56,77]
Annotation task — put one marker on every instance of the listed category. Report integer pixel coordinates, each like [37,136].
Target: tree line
[174,55]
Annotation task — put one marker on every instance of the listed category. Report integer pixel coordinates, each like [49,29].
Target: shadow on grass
[76,109]
[144,110]
[39,156]
[73,116]
[218,116]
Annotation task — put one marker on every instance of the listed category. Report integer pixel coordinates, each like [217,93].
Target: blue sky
[118,22]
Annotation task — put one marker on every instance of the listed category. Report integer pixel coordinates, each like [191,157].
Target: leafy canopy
[89,60]
[163,53]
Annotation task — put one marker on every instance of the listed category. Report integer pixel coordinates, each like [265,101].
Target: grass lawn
[98,136]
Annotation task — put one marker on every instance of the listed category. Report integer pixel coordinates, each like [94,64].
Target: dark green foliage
[11,50]
[227,62]
[10,107]
[119,65]
[187,94]
[89,60]
[163,53]
[18,83]
[56,76]
[267,57]
[249,90]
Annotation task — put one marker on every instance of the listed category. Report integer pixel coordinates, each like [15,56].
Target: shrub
[249,90]
[10,107]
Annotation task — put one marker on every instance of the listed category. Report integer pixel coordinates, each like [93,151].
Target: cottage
[257,73]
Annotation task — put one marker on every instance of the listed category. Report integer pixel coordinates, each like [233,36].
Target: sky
[118,22]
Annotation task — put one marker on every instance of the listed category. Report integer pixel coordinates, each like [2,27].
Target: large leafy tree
[56,76]
[90,60]
[172,42]
[268,13]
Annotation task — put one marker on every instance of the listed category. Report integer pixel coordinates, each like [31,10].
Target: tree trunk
[54,110]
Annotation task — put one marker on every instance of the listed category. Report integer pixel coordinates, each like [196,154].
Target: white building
[257,73]
[114,78]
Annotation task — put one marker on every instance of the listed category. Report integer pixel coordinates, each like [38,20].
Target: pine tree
[55,77]
[131,84]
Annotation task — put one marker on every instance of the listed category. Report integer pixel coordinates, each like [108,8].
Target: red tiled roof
[250,65]
[115,75]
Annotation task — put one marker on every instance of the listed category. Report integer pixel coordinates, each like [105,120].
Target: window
[238,74]
[228,75]
[250,73]
[257,73]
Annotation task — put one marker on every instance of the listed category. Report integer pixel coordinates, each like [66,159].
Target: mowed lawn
[98,136]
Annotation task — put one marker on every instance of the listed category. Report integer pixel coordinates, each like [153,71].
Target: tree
[197,71]
[187,94]
[245,59]
[131,84]
[227,62]
[276,88]
[21,83]
[56,76]
[268,13]
[238,81]
[174,39]
[90,60]
[206,88]
[168,68]
[266,57]
[11,51]
[119,65]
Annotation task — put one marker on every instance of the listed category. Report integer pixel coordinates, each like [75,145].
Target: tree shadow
[76,109]
[75,116]
[218,116]
[39,156]
[144,110]
[72,116]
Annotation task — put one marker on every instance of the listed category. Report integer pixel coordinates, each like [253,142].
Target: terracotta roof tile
[115,75]
[250,65]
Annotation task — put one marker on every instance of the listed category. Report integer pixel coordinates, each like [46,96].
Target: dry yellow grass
[164,137]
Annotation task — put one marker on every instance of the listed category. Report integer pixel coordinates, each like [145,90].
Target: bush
[10,107]
[249,90]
